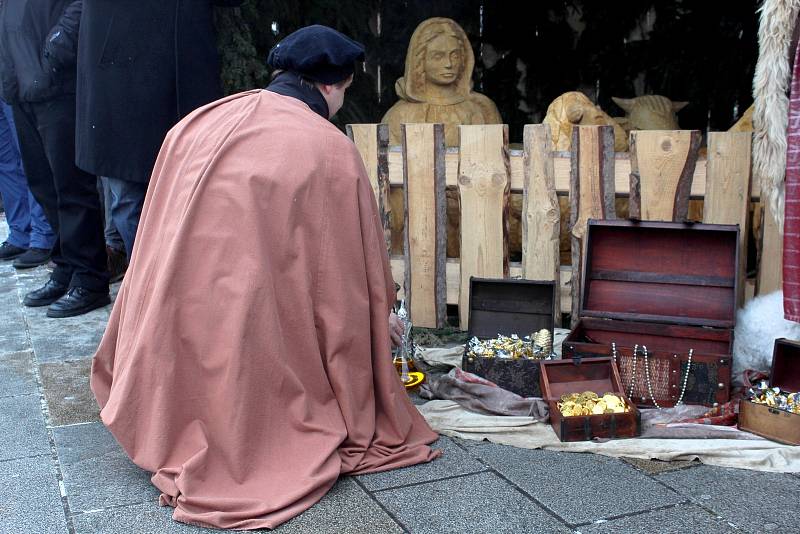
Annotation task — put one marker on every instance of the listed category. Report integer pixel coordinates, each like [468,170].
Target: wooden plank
[561,164]
[591,193]
[425,224]
[727,199]
[770,257]
[662,168]
[484,186]
[541,220]
[372,142]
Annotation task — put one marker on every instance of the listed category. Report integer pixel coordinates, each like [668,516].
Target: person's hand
[395,329]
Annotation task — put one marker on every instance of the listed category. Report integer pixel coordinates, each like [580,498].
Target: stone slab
[17,375]
[752,500]
[22,427]
[481,502]
[66,389]
[71,338]
[29,497]
[555,478]
[654,467]
[13,329]
[97,473]
[453,461]
[674,520]
[139,519]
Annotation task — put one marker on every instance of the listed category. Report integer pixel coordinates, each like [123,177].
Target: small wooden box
[600,375]
[777,425]
[509,306]
[670,287]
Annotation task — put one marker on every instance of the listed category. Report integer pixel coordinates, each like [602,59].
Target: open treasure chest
[772,410]
[503,313]
[587,401]
[659,298]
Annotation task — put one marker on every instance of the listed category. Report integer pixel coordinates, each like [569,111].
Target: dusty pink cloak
[246,363]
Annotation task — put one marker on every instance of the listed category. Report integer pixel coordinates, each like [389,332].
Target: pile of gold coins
[590,403]
[775,398]
[538,346]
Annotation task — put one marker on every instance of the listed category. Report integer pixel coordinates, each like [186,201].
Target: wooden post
[425,223]
[591,193]
[662,167]
[770,257]
[728,185]
[372,141]
[541,221]
[484,184]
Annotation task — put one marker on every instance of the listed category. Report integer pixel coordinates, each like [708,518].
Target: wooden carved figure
[572,109]
[649,112]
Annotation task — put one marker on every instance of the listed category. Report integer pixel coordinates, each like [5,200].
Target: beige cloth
[448,418]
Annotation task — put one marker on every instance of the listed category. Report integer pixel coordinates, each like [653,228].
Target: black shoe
[33,257]
[78,301]
[9,251]
[117,263]
[45,295]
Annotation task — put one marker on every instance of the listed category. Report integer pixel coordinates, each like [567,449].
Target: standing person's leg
[80,217]
[13,189]
[126,209]
[113,238]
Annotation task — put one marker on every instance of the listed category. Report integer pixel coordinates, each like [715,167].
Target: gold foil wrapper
[590,403]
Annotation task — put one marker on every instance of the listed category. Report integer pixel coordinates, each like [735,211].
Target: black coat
[142,66]
[38,43]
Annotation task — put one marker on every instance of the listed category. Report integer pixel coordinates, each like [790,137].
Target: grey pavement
[61,471]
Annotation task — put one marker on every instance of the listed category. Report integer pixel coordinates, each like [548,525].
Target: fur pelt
[758,325]
[770,84]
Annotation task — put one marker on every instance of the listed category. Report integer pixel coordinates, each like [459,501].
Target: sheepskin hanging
[770,86]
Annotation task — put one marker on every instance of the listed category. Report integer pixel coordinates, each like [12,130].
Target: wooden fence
[659,176]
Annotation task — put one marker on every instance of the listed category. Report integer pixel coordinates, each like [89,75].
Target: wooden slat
[484,185]
[591,192]
[425,224]
[372,142]
[541,220]
[662,168]
[770,258]
[727,199]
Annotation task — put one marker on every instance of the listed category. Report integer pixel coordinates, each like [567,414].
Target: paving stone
[138,519]
[13,329]
[17,376]
[482,502]
[345,509]
[97,473]
[654,467]
[553,478]
[66,389]
[453,461]
[22,427]
[753,500]
[673,520]
[70,338]
[29,498]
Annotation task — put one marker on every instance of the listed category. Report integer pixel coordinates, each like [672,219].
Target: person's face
[334,95]
[443,60]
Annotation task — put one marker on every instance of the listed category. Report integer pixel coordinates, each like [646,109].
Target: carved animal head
[650,112]
[573,109]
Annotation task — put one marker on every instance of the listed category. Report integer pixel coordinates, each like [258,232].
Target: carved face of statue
[443,60]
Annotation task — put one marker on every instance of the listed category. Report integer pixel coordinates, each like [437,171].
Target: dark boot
[9,251]
[33,257]
[45,295]
[78,301]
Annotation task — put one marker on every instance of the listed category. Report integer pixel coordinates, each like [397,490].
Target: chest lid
[510,306]
[678,273]
[785,372]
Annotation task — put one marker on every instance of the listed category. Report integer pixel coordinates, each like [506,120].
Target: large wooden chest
[767,421]
[599,375]
[669,291]
[507,307]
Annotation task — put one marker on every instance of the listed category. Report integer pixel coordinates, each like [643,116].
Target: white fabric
[449,419]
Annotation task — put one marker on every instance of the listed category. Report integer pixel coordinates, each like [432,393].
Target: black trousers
[67,194]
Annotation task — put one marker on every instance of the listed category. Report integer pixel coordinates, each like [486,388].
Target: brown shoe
[117,264]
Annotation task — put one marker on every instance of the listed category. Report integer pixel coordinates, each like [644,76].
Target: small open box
[772,423]
[600,375]
[509,306]
[670,287]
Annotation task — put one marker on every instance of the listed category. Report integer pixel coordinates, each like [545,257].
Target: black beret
[318,53]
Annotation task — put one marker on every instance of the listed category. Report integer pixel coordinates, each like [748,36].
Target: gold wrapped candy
[775,398]
[590,403]
[538,346]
